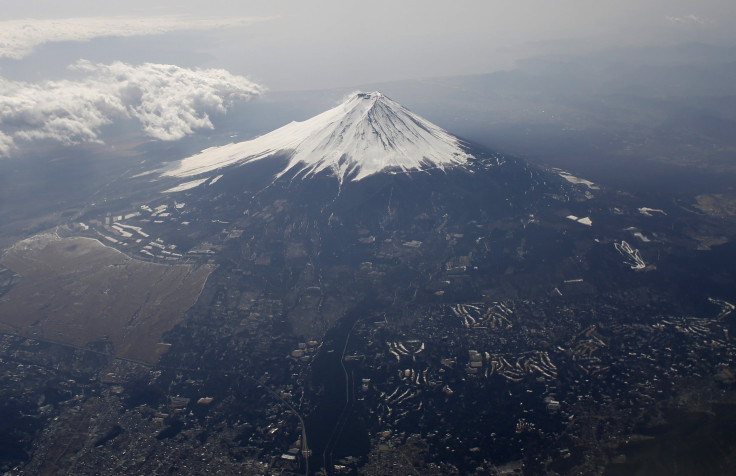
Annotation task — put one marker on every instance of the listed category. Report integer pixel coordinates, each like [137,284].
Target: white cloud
[6,145]
[18,38]
[686,20]
[169,102]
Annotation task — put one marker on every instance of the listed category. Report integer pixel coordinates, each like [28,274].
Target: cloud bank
[18,38]
[169,102]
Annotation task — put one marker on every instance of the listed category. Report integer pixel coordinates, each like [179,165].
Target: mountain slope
[366,134]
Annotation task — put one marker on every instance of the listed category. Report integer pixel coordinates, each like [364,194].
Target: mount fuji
[366,134]
[348,290]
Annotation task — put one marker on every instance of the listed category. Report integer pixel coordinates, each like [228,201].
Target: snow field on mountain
[366,134]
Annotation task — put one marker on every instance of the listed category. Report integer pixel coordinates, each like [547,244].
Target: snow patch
[576,180]
[633,256]
[35,242]
[726,307]
[187,185]
[641,236]
[584,220]
[648,211]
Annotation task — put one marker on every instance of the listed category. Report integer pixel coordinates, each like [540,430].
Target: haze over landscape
[302,237]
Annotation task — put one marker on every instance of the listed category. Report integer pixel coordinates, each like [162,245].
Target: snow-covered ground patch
[584,221]
[123,233]
[648,211]
[36,242]
[143,174]
[633,256]
[638,234]
[641,236]
[726,307]
[187,185]
[137,229]
[576,180]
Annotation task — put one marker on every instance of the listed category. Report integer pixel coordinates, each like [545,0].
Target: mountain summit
[366,134]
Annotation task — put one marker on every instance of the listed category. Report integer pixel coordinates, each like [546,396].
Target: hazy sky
[236,49]
[325,43]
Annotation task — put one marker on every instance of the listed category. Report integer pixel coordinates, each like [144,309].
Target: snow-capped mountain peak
[365,134]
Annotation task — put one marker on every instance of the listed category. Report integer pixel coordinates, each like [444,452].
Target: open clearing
[77,291]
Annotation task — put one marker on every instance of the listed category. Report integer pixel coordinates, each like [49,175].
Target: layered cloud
[169,102]
[18,38]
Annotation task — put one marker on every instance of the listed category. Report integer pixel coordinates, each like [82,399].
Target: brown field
[720,205]
[77,290]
